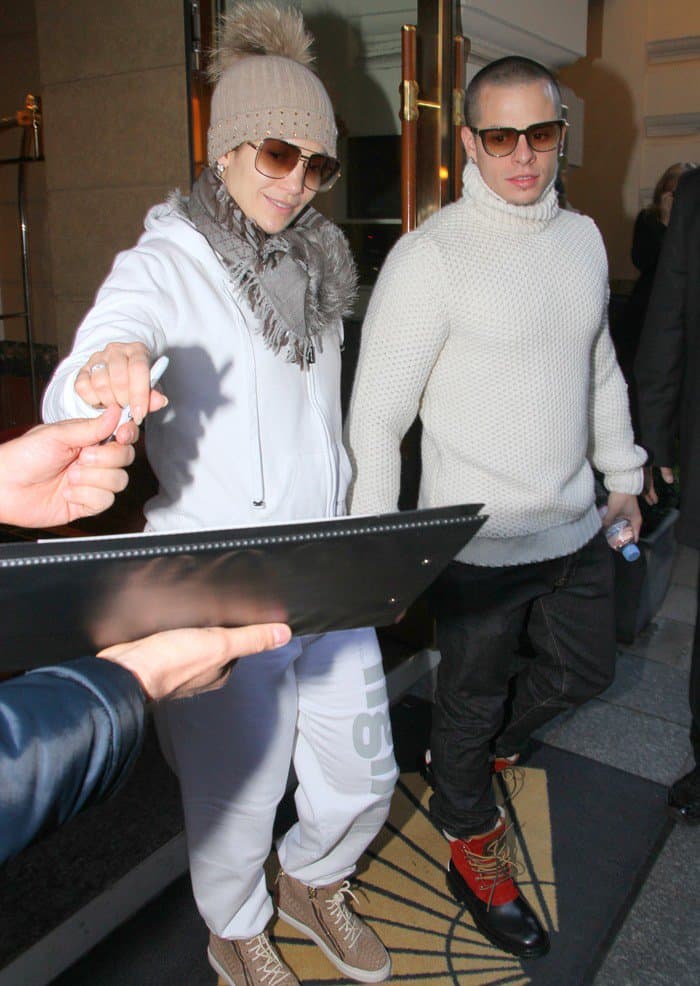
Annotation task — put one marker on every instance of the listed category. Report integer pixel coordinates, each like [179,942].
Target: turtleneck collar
[496,211]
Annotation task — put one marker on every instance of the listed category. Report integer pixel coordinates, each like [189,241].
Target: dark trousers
[543,632]
[694,689]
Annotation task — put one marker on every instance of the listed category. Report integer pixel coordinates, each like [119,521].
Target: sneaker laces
[513,781]
[498,866]
[272,969]
[345,920]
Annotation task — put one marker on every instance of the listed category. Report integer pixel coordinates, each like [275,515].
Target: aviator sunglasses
[502,141]
[276,158]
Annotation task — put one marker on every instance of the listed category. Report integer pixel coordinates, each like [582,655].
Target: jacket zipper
[331,507]
[258,500]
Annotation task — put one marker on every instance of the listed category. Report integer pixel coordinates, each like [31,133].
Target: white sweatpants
[320,701]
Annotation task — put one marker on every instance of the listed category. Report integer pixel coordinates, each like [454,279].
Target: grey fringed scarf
[299,282]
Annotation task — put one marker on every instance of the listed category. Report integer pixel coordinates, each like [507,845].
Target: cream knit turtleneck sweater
[491,320]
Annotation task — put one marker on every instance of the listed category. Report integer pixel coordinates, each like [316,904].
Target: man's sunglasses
[502,141]
[276,158]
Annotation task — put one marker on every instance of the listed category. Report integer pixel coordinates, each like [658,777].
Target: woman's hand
[651,494]
[120,373]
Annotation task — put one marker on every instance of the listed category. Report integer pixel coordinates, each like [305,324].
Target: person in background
[647,239]
[70,734]
[667,371]
[490,321]
[245,286]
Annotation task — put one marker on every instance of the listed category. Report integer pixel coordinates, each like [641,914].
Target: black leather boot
[480,877]
[684,798]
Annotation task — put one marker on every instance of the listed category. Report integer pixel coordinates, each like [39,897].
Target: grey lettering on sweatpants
[371,730]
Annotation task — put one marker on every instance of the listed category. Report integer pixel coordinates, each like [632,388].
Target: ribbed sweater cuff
[630,481]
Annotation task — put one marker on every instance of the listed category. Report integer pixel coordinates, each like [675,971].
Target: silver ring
[96,366]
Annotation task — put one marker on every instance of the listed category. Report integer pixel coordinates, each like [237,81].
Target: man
[490,320]
[69,734]
[667,370]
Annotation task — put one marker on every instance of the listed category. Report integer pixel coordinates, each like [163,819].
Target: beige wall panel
[34,183]
[116,121]
[88,228]
[673,87]
[37,238]
[43,315]
[608,80]
[9,243]
[69,315]
[125,36]
[621,87]
[19,72]
[662,152]
[12,295]
[11,287]
[13,332]
[11,257]
[8,181]
[672,18]
[15,18]
[120,130]
[10,141]
[13,301]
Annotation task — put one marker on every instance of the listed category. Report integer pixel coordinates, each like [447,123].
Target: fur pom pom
[260,27]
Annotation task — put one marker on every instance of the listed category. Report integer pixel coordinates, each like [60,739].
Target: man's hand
[56,473]
[180,663]
[624,505]
[650,494]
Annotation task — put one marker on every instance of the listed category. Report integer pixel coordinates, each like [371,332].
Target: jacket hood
[169,219]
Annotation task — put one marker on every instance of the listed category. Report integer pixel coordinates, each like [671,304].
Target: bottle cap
[630,552]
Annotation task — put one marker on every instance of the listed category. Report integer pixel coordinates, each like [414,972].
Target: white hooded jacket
[247,438]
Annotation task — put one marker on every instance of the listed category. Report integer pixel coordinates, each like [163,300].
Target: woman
[245,286]
[647,238]
[649,228]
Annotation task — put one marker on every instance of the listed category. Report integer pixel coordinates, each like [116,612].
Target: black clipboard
[66,598]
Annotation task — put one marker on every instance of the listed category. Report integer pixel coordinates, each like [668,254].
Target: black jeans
[543,631]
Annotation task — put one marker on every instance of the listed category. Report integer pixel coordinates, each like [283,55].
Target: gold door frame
[433,58]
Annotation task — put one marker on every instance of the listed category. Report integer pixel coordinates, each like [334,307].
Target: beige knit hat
[263,85]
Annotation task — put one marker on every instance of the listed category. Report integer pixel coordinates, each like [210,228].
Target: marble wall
[116,133]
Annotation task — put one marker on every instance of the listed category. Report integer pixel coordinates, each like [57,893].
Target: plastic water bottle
[620,537]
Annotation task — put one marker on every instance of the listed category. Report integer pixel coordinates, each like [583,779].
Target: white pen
[157,371]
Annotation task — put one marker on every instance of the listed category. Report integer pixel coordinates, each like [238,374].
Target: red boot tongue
[483,862]
[499,764]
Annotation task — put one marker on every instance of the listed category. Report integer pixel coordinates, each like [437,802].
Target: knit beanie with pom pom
[264,87]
